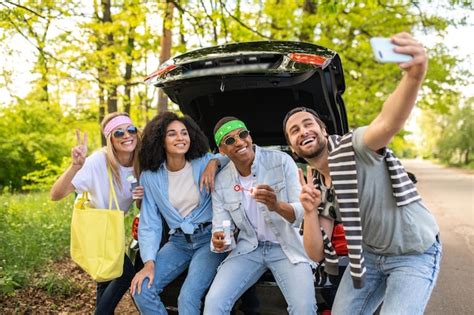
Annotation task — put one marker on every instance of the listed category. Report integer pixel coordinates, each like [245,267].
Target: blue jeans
[237,274]
[403,283]
[175,256]
[110,293]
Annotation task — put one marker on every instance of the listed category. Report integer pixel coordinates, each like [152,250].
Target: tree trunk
[101,112]
[165,52]
[110,87]
[128,70]
[307,27]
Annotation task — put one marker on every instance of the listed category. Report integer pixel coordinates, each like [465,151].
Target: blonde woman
[89,174]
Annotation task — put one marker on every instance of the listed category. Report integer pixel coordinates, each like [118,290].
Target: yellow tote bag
[98,238]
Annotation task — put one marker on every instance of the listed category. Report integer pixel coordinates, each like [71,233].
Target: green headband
[226,128]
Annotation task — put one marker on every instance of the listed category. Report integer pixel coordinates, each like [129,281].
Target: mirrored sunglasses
[120,132]
[232,139]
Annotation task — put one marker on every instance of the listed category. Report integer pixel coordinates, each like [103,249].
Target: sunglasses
[120,133]
[231,139]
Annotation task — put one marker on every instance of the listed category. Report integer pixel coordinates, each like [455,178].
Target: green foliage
[449,137]
[35,230]
[33,131]
[43,178]
[456,144]
[58,285]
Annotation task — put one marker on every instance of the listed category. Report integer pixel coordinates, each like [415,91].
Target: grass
[57,285]
[34,232]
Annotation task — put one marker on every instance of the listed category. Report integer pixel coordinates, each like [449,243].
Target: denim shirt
[156,205]
[278,170]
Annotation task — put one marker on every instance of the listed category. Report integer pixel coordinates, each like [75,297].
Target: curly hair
[153,152]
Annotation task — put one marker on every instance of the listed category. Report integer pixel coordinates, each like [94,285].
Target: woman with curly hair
[90,174]
[173,159]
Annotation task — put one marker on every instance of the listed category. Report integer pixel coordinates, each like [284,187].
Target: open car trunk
[262,100]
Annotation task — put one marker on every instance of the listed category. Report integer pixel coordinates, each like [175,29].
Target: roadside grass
[35,232]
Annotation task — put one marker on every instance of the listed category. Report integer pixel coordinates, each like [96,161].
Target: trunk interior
[261,102]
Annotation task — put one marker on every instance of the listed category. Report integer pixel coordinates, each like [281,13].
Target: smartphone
[383,51]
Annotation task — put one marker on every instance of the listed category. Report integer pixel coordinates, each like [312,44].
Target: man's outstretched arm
[399,104]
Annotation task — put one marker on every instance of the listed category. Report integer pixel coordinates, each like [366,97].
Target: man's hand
[266,195]
[218,241]
[148,271]
[398,106]
[79,152]
[310,197]
[406,44]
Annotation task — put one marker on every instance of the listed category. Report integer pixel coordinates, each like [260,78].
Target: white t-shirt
[182,190]
[264,232]
[93,179]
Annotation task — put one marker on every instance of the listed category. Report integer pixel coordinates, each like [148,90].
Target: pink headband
[115,122]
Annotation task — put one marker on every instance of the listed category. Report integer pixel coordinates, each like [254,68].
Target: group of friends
[393,240]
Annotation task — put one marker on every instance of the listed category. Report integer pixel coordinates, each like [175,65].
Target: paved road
[449,194]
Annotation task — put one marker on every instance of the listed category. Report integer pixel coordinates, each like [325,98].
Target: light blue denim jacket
[156,205]
[273,168]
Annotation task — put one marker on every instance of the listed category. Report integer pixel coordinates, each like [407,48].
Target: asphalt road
[449,194]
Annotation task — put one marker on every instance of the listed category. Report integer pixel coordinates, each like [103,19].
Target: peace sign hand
[310,197]
[79,152]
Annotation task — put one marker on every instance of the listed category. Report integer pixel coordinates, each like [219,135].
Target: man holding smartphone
[393,239]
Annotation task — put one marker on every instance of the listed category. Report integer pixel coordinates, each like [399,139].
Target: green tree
[32,131]
[456,142]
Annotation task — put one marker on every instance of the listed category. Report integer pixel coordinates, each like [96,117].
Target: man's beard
[317,151]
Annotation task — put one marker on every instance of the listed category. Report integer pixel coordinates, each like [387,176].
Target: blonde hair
[111,154]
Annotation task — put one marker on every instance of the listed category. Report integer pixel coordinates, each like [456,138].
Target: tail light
[339,241]
[164,68]
[316,60]
[135,228]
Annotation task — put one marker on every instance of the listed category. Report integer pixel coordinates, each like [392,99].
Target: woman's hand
[207,177]
[148,271]
[310,197]
[138,192]
[79,152]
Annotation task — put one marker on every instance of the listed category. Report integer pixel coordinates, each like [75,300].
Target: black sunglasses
[231,139]
[119,133]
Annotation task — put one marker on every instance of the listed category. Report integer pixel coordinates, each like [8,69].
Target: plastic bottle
[226,228]
[133,184]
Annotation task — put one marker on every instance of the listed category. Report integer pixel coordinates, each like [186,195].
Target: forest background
[71,62]
[68,63]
